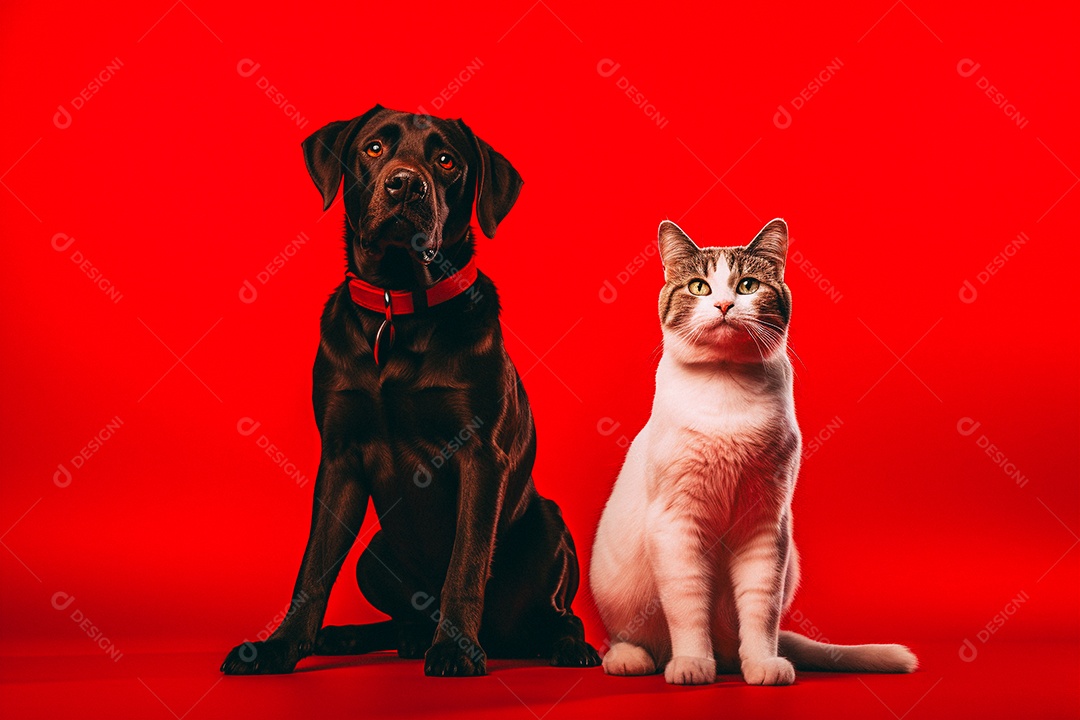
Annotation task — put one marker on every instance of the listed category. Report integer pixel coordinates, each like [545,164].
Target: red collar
[404,302]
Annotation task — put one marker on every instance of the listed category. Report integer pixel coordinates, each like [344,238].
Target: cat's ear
[771,243]
[675,246]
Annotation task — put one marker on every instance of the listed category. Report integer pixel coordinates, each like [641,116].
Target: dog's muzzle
[404,215]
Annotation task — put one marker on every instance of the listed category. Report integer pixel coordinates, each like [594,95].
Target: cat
[694,565]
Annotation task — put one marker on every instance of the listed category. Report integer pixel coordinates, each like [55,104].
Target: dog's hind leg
[568,646]
[390,589]
[535,576]
[355,639]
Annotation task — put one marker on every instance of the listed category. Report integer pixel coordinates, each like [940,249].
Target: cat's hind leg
[624,658]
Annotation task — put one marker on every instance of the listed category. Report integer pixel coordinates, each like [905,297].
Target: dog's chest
[412,414]
[429,422]
[418,416]
[411,448]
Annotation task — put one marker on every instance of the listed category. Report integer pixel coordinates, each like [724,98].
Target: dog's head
[410,182]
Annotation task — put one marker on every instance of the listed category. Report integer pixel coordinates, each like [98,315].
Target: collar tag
[385,333]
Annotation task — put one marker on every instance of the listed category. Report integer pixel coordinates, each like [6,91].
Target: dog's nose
[405,185]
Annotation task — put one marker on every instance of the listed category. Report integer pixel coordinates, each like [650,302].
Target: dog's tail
[355,639]
[807,654]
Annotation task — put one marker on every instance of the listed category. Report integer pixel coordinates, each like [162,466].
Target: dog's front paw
[448,659]
[269,657]
[684,670]
[771,671]
[574,652]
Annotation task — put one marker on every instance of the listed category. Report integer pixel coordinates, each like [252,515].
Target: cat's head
[725,303]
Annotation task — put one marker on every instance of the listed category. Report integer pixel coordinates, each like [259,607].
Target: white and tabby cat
[694,563]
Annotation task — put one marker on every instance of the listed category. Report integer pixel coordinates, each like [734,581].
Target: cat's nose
[724,305]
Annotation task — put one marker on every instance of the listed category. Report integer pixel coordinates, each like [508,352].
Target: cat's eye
[697,286]
[747,286]
[374,149]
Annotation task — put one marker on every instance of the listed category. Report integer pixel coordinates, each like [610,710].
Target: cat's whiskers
[768,328]
[771,338]
[789,346]
[776,336]
[691,335]
[699,332]
[683,335]
[757,346]
[770,342]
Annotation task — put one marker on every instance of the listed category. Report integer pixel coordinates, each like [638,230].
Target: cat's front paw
[770,671]
[690,671]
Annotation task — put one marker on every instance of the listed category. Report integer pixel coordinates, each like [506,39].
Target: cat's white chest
[719,406]
[715,429]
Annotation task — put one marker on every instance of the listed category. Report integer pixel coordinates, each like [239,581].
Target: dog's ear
[324,153]
[497,184]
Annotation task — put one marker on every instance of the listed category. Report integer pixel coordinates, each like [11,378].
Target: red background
[180,179]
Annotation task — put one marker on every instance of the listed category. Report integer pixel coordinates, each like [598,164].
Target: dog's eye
[697,286]
[374,149]
[747,286]
[445,161]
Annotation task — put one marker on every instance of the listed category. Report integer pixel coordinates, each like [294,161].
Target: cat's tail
[807,654]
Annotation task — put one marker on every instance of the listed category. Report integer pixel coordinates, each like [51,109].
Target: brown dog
[421,410]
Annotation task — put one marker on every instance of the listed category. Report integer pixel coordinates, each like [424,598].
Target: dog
[420,409]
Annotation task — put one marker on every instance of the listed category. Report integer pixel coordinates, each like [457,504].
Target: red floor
[1004,681]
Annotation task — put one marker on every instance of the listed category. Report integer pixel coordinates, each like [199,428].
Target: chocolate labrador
[420,409]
